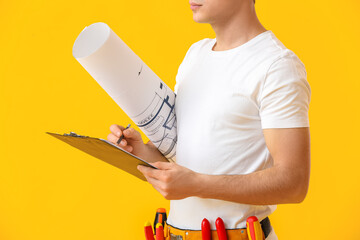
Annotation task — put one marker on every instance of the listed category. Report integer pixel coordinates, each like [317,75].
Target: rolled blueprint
[137,90]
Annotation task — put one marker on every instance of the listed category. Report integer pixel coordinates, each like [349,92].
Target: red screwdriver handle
[220,228]
[205,229]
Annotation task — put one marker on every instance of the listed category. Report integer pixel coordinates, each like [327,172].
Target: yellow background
[49,190]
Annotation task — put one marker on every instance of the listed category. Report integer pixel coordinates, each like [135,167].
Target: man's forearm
[286,182]
[270,186]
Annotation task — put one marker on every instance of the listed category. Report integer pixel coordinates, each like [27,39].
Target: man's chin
[199,19]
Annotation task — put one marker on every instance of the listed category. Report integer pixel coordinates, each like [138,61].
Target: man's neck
[238,29]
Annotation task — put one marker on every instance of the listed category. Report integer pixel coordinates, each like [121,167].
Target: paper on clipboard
[105,151]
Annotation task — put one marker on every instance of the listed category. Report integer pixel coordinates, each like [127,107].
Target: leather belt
[266,226]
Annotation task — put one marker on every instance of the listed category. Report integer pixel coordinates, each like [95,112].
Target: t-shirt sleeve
[285,97]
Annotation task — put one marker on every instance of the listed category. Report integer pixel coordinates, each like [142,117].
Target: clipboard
[105,151]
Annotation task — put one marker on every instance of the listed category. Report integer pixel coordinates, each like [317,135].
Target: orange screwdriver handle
[160,217]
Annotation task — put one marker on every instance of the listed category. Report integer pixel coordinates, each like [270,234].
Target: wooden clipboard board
[105,151]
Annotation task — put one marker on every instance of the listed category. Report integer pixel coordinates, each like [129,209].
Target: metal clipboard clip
[74,135]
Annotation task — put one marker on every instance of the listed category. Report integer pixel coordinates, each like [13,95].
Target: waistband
[173,233]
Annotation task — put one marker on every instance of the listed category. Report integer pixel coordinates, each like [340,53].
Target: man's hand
[132,142]
[171,180]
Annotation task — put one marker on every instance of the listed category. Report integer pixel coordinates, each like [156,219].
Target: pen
[122,136]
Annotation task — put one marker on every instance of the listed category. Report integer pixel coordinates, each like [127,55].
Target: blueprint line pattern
[158,121]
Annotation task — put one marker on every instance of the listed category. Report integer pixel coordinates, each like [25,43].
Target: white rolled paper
[137,90]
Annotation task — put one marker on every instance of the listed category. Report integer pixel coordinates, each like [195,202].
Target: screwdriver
[205,229]
[253,228]
[148,231]
[160,217]
[159,232]
[220,228]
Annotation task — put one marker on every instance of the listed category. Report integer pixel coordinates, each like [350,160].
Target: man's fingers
[162,165]
[112,138]
[148,171]
[156,184]
[123,144]
[116,130]
[130,133]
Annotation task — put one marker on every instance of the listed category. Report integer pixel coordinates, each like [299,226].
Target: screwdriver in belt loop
[160,217]
[254,230]
[220,228]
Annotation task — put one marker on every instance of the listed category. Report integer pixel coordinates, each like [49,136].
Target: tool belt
[173,233]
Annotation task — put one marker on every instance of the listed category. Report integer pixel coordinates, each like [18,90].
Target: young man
[242,118]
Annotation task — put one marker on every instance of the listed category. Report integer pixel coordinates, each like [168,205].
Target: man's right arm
[134,144]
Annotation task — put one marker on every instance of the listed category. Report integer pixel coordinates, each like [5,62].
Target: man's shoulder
[277,54]
[282,52]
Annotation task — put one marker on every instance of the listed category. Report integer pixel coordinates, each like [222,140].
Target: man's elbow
[300,195]
[299,189]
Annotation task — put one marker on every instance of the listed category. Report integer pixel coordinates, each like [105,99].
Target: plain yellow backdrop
[49,190]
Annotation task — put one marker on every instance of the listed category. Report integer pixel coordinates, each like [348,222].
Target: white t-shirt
[224,100]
